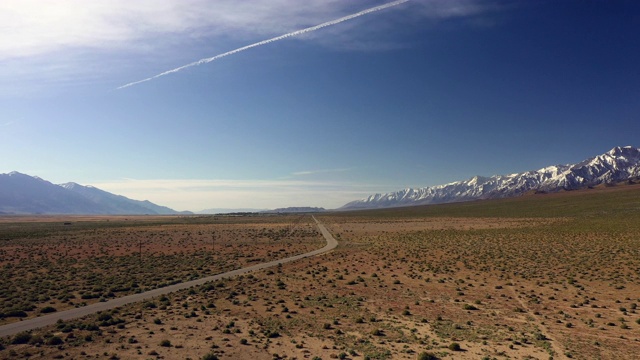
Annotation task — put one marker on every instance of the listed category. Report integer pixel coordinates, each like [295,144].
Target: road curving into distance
[34,323]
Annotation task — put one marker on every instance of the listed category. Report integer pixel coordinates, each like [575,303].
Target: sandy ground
[499,288]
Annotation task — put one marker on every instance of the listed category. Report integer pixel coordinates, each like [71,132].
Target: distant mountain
[618,164]
[24,194]
[118,203]
[304,209]
[228,211]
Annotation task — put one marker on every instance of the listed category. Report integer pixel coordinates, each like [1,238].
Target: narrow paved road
[38,322]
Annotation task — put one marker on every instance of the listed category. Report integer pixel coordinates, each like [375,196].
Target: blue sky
[418,94]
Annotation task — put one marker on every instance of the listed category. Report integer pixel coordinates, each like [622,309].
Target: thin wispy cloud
[268,41]
[74,42]
[40,27]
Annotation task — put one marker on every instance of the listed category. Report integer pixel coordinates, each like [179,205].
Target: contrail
[264,42]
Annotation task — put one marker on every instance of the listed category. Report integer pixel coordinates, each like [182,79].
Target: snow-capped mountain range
[24,194]
[618,164]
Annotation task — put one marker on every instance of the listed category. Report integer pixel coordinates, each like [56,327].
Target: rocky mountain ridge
[21,194]
[618,164]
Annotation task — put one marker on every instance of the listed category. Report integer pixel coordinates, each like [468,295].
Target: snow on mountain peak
[19,174]
[69,185]
[618,164]
[616,151]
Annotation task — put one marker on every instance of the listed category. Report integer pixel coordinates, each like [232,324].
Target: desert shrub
[454,346]
[55,340]
[36,340]
[165,343]
[48,309]
[427,356]
[16,313]
[149,305]
[540,336]
[21,338]
[210,356]
[104,317]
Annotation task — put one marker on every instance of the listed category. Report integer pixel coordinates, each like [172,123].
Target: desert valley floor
[537,277]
